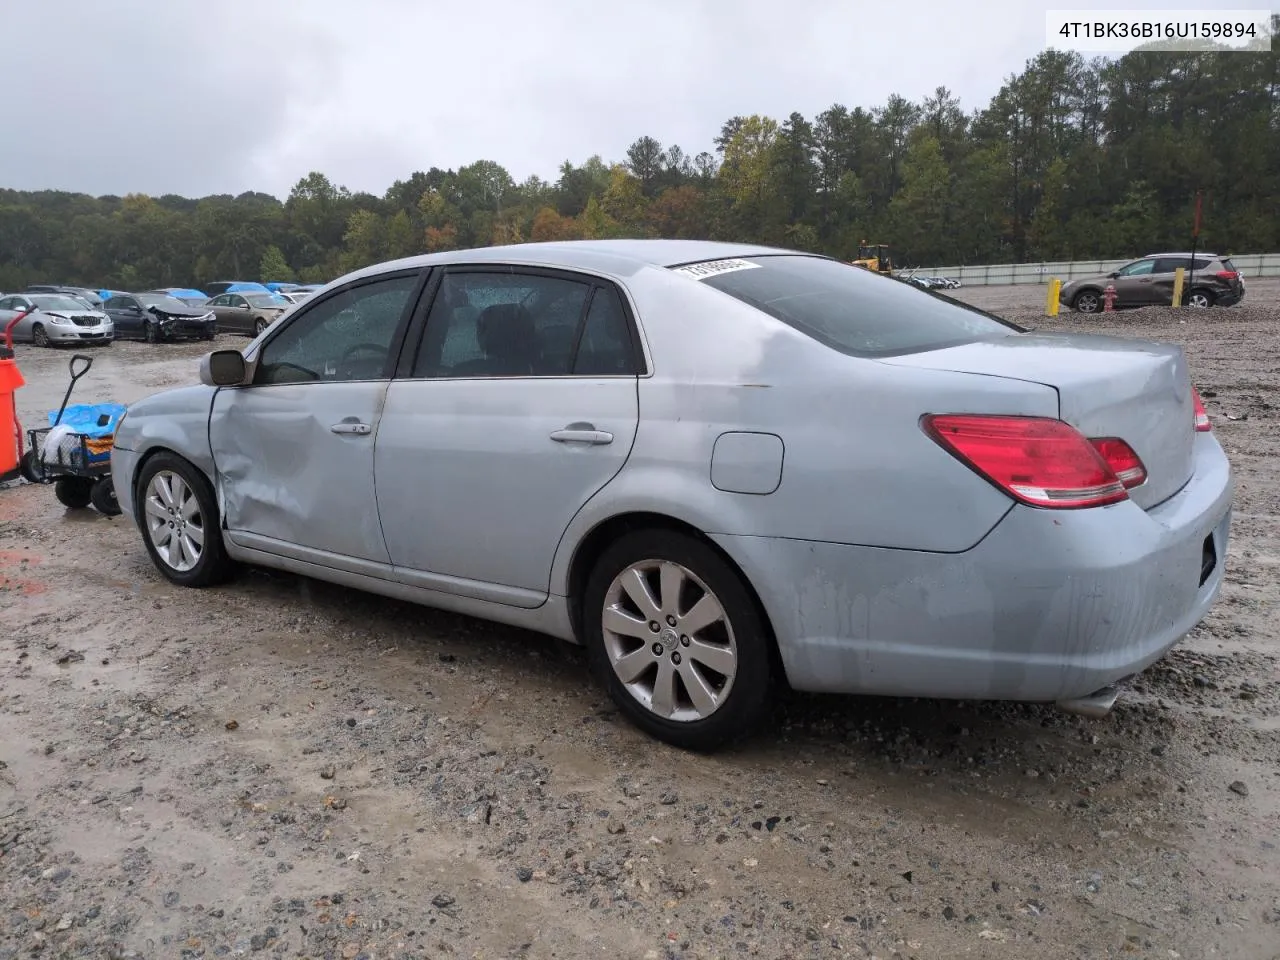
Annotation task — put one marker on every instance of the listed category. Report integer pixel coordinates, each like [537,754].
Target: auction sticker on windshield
[713,268]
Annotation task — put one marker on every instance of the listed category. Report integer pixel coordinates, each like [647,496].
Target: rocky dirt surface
[284,768]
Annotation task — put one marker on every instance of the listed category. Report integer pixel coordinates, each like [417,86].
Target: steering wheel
[376,348]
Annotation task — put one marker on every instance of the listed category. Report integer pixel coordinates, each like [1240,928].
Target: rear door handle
[352,427]
[582,433]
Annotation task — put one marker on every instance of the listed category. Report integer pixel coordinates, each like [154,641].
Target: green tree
[273,266]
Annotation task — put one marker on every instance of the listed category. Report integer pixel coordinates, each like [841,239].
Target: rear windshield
[1227,264]
[849,308]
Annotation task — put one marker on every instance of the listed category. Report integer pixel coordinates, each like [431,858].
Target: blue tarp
[241,287]
[83,418]
[188,294]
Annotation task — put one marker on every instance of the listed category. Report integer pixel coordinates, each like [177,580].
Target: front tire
[179,518]
[40,337]
[260,327]
[676,637]
[75,493]
[150,334]
[1087,301]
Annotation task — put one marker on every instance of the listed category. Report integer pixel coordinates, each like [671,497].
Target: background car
[188,295]
[648,447]
[249,312]
[155,317]
[294,296]
[91,297]
[1210,280]
[58,318]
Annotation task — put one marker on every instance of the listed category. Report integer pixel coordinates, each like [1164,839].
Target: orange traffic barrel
[10,428]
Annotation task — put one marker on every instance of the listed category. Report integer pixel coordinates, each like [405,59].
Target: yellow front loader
[875,257]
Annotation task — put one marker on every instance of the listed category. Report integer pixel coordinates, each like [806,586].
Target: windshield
[162,300]
[265,300]
[848,308]
[59,303]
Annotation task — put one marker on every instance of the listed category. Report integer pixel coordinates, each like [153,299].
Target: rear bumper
[1050,605]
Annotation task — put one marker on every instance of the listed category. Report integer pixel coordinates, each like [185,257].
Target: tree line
[1072,159]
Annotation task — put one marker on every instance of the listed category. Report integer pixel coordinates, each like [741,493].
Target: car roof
[619,257]
[1182,253]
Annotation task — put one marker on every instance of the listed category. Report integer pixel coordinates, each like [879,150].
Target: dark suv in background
[1210,280]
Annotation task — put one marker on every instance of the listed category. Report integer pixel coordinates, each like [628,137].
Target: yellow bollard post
[1178,276]
[1051,304]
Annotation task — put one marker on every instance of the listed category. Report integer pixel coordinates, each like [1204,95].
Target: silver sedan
[55,318]
[717,466]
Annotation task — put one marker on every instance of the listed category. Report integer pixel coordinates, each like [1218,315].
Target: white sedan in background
[55,318]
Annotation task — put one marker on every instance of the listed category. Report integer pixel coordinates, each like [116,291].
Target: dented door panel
[295,465]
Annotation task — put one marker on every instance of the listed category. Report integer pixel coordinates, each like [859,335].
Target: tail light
[1124,463]
[1036,460]
[1202,417]
[1227,274]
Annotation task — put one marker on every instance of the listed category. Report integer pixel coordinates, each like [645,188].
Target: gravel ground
[284,768]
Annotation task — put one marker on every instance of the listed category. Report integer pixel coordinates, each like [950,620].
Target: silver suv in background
[1210,280]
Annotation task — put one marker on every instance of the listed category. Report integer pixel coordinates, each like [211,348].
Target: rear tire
[1201,299]
[717,674]
[103,497]
[191,553]
[75,493]
[27,467]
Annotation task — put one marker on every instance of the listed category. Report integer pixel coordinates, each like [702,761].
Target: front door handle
[352,427]
[582,433]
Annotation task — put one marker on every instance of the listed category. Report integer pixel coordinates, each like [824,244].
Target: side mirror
[223,368]
[1113,274]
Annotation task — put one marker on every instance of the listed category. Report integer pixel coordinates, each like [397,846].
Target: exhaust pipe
[1095,706]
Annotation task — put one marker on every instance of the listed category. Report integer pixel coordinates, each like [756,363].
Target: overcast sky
[222,96]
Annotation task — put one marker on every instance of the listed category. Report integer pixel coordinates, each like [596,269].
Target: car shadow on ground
[1010,748]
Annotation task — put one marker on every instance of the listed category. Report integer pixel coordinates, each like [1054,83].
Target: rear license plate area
[1208,559]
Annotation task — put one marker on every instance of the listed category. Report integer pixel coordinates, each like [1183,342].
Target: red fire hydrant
[1108,298]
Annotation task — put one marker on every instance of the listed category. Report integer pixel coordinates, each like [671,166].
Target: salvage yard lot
[284,767]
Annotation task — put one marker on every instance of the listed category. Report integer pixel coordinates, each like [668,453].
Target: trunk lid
[1107,387]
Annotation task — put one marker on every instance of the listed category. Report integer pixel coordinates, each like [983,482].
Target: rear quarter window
[848,308]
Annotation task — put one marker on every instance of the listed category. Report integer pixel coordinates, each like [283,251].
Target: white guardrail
[981,275]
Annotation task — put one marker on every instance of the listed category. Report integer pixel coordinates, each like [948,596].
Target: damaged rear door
[294,449]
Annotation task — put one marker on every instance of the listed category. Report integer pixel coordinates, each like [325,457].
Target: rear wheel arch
[592,546]
[1198,291]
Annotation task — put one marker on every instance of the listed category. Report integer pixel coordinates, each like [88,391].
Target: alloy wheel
[174,522]
[669,640]
[1087,303]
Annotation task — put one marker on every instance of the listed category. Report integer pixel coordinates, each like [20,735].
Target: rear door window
[1171,264]
[848,308]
